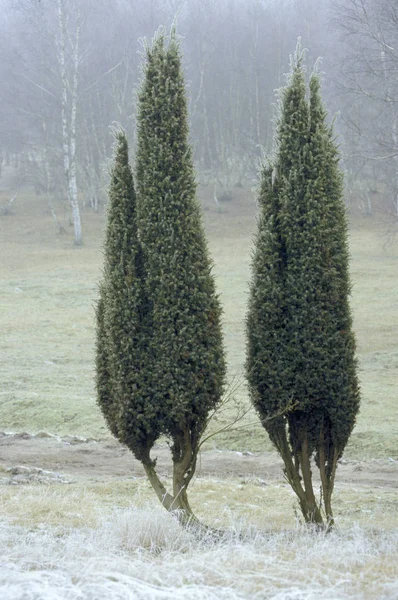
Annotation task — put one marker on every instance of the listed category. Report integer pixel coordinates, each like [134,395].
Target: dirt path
[75,458]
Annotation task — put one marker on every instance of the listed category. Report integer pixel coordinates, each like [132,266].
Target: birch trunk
[69,133]
[394,129]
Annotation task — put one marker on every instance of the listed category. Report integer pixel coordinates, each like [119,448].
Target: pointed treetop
[297,60]
[118,134]
[316,70]
[120,144]
[156,45]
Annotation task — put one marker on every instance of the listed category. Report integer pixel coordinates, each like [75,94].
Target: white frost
[144,554]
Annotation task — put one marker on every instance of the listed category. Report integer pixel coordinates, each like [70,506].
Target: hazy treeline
[368,94]
[70,69]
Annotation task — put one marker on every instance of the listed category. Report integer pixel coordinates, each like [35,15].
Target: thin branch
[40,87]
[228,427]
[100,78]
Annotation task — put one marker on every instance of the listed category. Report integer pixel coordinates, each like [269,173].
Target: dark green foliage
[300,363]
[266,317]
[123,319]
[160,358]
[187,361]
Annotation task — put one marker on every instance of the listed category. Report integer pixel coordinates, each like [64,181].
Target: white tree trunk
[69,132]
[394,129]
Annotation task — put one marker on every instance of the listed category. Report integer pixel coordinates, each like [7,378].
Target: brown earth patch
[78,458]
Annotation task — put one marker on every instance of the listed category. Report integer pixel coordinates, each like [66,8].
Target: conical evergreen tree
[123,319]
[301,365]
[187,366]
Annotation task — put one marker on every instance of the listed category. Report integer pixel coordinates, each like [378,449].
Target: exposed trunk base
[327,469]
[298,473]
[177,503]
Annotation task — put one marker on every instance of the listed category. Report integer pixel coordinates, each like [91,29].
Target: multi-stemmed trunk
[298,472]
[177,502]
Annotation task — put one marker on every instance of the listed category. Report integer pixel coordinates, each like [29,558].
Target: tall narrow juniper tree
[187,366]
[300,360]
[160,358]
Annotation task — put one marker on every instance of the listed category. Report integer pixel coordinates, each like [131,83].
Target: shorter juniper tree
[123,319]
[300,355]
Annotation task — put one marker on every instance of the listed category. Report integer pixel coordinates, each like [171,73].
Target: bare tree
[72,67]
[45,86]
[370,33]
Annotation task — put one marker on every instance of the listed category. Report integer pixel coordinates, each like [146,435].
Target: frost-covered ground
[143,554]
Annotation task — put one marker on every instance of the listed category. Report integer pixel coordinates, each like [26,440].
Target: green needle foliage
[123,319]
[301,350]
[186,366]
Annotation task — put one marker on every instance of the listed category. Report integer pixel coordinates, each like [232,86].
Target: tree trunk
[176,503]
[305,493]
[69,133]
[313,513]
[394,130]
[328,472]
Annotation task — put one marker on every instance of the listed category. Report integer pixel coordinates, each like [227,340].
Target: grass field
[107,539]
[49,288]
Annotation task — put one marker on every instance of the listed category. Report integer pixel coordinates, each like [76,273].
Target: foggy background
[71,68]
